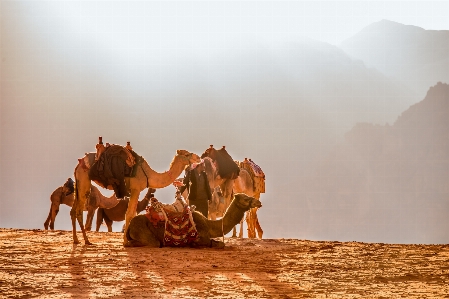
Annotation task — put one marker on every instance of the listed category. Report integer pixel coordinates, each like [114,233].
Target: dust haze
[344,105]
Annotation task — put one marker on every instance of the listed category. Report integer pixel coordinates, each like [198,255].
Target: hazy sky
[162,73]
[211,25]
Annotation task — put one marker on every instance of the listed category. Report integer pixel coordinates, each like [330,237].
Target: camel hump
[226,166]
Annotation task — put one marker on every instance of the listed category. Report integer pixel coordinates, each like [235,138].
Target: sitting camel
[117,213]
[61,195]
[145,177]
[141,232]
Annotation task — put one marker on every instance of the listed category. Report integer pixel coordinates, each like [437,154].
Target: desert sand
[45,264]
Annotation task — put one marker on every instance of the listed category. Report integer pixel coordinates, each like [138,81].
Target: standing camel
[62,196]
[144,177]
[242,184]
[117,213]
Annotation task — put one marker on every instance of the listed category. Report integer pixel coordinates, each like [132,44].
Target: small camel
[117,213]
[145,177]
[244,183]
[96,200]
[141,231]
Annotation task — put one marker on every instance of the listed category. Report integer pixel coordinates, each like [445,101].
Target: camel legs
[101,216]
[54,209]
[258,228]
[253,224]
[130,212]
[99,219]
[250,223]
[48,220]
[73,217]
[109,224]
[82,182]
[90,217]
[241,227]
[77,214]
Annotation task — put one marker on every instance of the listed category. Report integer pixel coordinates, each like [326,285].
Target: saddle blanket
[256,169]
[256,173]
[180,230]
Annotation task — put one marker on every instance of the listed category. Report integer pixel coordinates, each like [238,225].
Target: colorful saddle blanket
[180,230]
[256,173]
[254,169]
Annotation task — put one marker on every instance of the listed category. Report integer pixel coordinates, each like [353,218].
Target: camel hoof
[76,242]
[217,244]
[89,243]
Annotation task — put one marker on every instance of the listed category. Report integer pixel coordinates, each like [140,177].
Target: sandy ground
[39,264]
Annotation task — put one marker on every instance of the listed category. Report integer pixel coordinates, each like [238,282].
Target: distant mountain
[417,57]
[317,73]
[393,180]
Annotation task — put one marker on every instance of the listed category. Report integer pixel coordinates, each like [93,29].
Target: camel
[145,177]
[117,213]
[96,200]
[141,231]
[242,184]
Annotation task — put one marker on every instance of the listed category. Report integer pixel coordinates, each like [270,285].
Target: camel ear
[178,152]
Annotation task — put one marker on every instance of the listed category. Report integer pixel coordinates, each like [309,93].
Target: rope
[222,230]
[140,164]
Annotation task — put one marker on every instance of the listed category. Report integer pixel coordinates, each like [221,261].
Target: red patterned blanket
[180,229]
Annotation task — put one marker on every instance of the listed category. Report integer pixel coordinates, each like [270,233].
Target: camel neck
[164,179]
[231,218]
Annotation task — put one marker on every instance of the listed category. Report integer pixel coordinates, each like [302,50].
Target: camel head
[246,202]
[187,157]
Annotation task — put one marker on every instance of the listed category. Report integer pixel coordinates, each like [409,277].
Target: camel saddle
[113,165]
[256,173]
[69,184]
[180,230]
